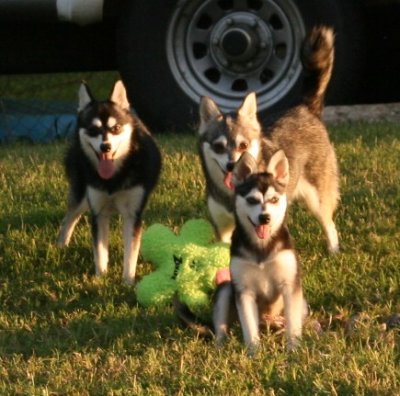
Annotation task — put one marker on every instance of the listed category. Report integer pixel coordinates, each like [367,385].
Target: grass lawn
[62,331]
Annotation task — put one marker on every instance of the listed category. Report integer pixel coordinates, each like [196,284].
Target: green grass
[62,331]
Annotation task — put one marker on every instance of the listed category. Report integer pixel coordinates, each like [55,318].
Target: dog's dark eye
[93,131]
[273,200]
[243,146]
[252,201]
[115,129]
[218,147]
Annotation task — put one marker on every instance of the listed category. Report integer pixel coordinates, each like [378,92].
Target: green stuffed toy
[185,266]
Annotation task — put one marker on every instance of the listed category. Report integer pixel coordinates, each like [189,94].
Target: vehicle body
[170,53]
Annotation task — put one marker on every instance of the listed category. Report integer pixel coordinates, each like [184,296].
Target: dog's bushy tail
[317,56]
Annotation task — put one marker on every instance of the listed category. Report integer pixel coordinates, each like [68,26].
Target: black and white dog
[265,274]
[112,165]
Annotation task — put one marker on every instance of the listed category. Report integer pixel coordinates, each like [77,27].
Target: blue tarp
[38,121]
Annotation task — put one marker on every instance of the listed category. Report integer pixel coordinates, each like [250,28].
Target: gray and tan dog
[299,132]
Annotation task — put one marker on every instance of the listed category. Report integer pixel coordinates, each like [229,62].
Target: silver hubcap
[240,43]
[227,48]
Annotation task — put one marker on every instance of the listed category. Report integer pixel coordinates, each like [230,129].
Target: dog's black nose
[230,165]
[264,218]
[105,147]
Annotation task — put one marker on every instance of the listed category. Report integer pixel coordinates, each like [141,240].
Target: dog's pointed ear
[84,95]
[278,167]
[245,166]
[119,95]
[209,111]
[248,109]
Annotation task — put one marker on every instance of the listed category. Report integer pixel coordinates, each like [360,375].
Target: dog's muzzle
[230,165]
[105,147]
[264,218]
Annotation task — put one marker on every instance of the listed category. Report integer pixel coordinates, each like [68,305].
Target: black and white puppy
[264,269]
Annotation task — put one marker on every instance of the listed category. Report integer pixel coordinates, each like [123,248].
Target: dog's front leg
[288,277]
[249,318]
[97,201]
[100,231]
[130,204]
[294,313]
[132,239]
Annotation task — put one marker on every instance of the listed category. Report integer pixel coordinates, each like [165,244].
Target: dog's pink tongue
[228,180]
[262,231]
[106,167]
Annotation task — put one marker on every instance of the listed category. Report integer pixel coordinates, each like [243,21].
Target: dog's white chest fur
[223,217]
[126,202]
[267,278]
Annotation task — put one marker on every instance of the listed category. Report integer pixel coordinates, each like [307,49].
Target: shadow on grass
[128,332]
[60,306]
[39,218]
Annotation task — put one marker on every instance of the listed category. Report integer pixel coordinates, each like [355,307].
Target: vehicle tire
[171,53]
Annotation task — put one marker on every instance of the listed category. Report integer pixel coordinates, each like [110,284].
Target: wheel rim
[227,48]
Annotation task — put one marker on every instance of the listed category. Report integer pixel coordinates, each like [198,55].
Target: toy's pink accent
[222,275]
